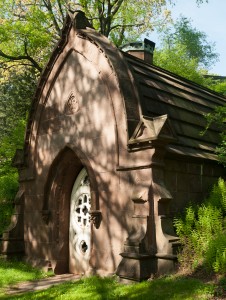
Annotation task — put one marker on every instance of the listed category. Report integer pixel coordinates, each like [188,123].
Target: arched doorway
[67,179]
[79,226]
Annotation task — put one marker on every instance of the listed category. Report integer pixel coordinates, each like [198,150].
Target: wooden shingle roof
[184,102]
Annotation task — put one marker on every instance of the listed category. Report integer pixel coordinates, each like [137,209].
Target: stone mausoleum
[112,151]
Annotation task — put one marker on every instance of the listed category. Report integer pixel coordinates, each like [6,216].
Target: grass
[12,272]
[97,288]
[173,287]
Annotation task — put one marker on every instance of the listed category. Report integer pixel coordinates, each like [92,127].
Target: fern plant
[216,254]
[203,232]
[217,196]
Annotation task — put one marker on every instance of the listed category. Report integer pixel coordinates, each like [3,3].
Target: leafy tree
[176,61]
[26,33]
[8,147]
[219,86]
[123,20]
[8,174]
[16,90]
[30,28]
[185,51]
[195,42]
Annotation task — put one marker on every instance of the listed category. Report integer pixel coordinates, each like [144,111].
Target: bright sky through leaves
[209,18]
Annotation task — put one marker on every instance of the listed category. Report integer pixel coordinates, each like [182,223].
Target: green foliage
[29,29]
[218,117]
[131,21]
[8,186]
[8,189]
[25,33]
[176,61]
[8,174]
[219,86]
[216,252]
[8,147]
[5,215]
[185,227]
[197,45]
[217,196]
[191,43]
[186,51]
[215,257]
[16,91]
[221,149]
[201,229]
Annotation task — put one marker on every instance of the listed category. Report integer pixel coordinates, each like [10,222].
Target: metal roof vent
[143,50]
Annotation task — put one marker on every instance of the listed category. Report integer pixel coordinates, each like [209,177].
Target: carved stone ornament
[95,218]
[72,104]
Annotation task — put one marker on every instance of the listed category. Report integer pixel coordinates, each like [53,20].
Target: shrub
[202,232]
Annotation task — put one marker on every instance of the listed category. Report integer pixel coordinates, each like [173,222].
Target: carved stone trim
[95,218]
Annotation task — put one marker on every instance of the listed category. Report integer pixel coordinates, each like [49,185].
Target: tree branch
[21,57]
[5,67]
[60,9]
[49,7]
[117,4]
[126,25]
[108,19]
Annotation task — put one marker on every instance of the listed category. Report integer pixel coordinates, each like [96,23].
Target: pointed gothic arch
[56,201]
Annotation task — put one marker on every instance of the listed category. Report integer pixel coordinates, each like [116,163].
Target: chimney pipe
[143,50]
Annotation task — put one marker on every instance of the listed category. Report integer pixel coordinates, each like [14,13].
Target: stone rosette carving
[95,218]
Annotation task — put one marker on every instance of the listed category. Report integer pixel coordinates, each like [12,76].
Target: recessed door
[79,228]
